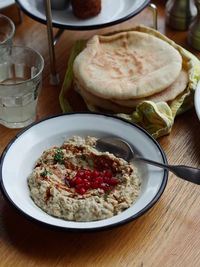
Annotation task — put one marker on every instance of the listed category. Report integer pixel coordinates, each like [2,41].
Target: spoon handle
[185,172]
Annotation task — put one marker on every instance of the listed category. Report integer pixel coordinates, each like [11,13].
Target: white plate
[197,100]
[6,3]
[113,12]
[21,153]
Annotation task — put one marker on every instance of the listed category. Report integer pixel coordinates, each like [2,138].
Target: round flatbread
[127,65]
[103,104]
[166,95]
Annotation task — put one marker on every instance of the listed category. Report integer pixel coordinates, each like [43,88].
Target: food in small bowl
[76,182]
[86,9]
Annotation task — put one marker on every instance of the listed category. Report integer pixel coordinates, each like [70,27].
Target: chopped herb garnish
[106,194]
[45,172]
[59,156]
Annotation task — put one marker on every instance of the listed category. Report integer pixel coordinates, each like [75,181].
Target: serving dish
[21,153]
[113,12]
[6,3]
[197,100]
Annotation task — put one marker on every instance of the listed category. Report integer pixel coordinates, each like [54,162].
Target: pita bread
[127,65]
[128,106]
[166,95]
[103,104]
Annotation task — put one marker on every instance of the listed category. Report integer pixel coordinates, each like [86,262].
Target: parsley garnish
[45,172]
[59,156]
[106,194]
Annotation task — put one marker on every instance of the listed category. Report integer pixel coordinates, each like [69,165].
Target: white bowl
[21,153]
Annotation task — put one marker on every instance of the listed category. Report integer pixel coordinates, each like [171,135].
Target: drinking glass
[7,30]
[20,84]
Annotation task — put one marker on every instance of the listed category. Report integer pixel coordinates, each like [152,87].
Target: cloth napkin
[156,118]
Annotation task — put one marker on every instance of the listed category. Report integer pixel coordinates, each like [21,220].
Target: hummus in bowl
[51,133]
[76,182]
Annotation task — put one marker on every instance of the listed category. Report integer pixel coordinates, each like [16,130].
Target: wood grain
[167,235]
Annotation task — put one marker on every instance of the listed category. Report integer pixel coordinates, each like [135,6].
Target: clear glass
[7,30]
[20,84]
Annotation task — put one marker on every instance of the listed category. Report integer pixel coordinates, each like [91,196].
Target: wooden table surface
[167,235]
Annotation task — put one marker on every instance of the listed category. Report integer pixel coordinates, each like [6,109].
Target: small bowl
[59,4]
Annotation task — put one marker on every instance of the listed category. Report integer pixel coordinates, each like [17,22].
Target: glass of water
[7,30]
[20,83]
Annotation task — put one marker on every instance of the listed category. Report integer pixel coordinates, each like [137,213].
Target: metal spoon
[122,149]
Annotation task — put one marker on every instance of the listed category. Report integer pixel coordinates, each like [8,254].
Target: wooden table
[167,235]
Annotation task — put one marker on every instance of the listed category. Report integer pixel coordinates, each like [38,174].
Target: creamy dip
[78,183]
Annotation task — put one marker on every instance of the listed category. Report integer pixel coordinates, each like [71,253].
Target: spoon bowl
[123,149]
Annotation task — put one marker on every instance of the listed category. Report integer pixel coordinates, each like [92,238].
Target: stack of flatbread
[117,72]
